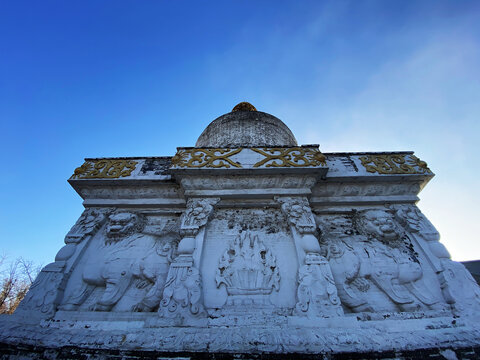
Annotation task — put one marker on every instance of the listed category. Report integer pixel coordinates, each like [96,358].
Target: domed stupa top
[245,127]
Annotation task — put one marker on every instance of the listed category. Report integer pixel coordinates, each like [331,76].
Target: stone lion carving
[390,264]
[121,225]
[117,265]
[153,269]
[379,225]
[351,286]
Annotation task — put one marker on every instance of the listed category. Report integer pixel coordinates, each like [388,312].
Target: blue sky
[138,78]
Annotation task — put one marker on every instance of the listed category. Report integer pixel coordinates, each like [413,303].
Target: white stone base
[300,336]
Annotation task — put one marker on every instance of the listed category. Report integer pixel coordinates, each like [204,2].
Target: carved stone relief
[125,258]
[197,213]
[298,212]
[375,265]
[249,271]
[317,295]
[47,290]
[397,270]
[459,288]
[182,295]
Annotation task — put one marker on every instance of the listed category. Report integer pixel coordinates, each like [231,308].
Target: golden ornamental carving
[210,158]
[287,157]
[394,164]
[105,169]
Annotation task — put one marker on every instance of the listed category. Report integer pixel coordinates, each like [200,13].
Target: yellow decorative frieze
[210,158]
[104,169]
[288,157]
[394,164]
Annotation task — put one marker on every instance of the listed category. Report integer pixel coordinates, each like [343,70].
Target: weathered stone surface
[246,128]
[269,252]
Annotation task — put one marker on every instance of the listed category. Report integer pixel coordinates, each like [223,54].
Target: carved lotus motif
[248,268]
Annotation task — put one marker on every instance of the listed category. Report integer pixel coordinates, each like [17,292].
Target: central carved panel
[249,271]
[247,261]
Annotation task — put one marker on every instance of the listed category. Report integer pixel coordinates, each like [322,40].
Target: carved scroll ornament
[210,158]
[104,169]
[394,164]
[290,157]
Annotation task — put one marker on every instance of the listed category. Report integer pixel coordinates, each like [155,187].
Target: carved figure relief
[249,271]
[119,266]
[341,245]
[153,270]
[45,293]
[393,267]
[351,286]
[370,252]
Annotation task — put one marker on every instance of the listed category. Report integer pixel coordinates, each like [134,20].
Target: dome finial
[244,106]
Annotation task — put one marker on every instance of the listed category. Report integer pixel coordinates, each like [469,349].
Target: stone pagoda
[245,246]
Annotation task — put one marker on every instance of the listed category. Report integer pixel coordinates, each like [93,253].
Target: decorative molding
[210,158]
[104,169]
[394,164]
[377,189]
[166,191]
[241,182]
[290,157]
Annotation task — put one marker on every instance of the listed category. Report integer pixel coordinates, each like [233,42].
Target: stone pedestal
[240,247]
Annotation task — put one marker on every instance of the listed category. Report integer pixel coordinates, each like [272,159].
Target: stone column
[182,295]
[316,292]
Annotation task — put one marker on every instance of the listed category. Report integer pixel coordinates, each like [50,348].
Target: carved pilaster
[182,295]
[317,294]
